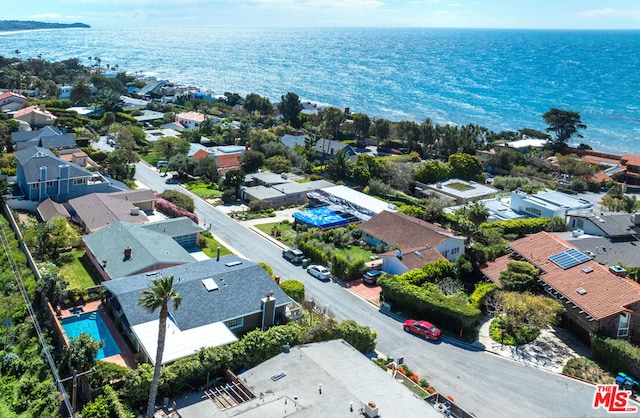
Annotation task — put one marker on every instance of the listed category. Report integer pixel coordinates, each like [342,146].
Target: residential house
[221,300]
[595,296]
[97,210]
[327,148]
[403,260]
[191,120]
[326,379]
[10,101]
[49,209]
[227,162]
[459,191]
[284,194]
[35,116]
[47,137]
[632,166]
[547,204]
[41,175]
[391,229]
[152,87]
[125,248]
[65,92]
[76,156]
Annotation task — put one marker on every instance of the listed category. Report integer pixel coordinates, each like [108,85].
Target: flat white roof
[179,344]
[360,199]
[474,189]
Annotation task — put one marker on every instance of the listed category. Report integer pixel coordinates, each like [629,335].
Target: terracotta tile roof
[631,160]
[404,231]
[8,94]
[192,116]
[606,294]
[200,154]
[412,260]
[229,161]
[24,111]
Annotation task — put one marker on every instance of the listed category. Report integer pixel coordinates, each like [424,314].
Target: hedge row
[428,301]
[344,269]
[519,227]
[255,347]
[175,211]
[616,355]
[314,253]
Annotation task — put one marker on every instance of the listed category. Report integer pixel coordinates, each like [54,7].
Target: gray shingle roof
[33,158]
[22,136]
[148,249]
[241,288]
[174,227]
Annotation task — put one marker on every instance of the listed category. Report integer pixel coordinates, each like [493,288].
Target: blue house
[41,175]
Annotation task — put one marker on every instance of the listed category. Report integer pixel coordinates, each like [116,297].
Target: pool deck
[126,357]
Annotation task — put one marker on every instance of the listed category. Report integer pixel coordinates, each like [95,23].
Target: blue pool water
[92,324]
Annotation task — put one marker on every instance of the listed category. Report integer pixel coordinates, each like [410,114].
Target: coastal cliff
[16,25]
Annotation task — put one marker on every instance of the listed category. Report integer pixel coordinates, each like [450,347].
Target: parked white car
[319,272]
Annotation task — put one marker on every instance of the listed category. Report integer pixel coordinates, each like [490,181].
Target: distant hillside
[14,25]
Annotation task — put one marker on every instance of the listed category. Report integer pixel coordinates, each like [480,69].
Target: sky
[521,14]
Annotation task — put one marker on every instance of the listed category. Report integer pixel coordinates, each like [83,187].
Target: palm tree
[158,295]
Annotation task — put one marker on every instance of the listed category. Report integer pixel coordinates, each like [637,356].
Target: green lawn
[204,190]
[285,232]
[151,158]
[212,247]
[356,253]
[79,271]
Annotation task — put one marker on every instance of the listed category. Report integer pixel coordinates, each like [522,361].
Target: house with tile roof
[227,162]
[97,210]
[632,166]
[41,175]
[392,229]
[126,248]
[35,116]
[595,296]
[10,101]
[191,120]
[222,299]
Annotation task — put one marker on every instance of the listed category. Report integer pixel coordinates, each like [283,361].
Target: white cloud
[45,16]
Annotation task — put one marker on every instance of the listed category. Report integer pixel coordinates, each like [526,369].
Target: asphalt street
[482,383]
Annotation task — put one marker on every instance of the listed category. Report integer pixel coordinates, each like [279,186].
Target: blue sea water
[501,79]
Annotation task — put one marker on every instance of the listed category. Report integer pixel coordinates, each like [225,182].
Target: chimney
[268,307]
[399,254]
[371,409]
[127,253]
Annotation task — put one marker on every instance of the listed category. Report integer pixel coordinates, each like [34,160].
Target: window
[78,181]
[455,250]
[234,323]
[623,325]
[535,211]
[35,186]
[49,184]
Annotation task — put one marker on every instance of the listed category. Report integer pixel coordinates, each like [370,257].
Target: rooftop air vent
[587,269]
[581,290]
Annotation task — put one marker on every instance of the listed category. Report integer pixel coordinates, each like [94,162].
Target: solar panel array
[569,258]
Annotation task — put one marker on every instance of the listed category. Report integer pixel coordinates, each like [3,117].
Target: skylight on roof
[233,263]
[209,284]
[569,258]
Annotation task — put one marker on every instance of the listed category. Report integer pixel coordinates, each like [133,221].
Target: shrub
[480,294]
[616,355]
[179,199]
[173,210]
[259,205]
[294,289]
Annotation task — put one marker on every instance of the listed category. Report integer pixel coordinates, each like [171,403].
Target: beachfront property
[597,297]
[126,248]
[41,175]
[460,192]
[221,301]
[327,148]
[391,229]
[546,204]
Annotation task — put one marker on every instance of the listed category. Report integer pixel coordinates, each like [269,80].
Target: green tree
[119,166]
[158,296]
[466,167]
[381,129]
[294,289]
[339,166]
[182,164]
[169,146]
[361,125]
[290,108]
[251,161]
[53,236]
[565,124]
[208,168]
[179,199]
[519,276]
[234,179]
[522,310]
[278,164]
[432,171]
[53,286]
[256,103]
[80,93]
[82,351]
[330,119]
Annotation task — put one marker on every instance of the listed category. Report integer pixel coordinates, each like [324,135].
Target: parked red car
[422,329]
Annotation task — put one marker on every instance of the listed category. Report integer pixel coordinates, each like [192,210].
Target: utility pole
[75,377]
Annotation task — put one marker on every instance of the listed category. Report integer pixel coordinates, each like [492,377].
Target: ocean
[500,79]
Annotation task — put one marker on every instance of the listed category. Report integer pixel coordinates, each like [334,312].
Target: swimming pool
[92,324]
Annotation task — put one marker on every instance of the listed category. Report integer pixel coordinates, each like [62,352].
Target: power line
[45,347]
